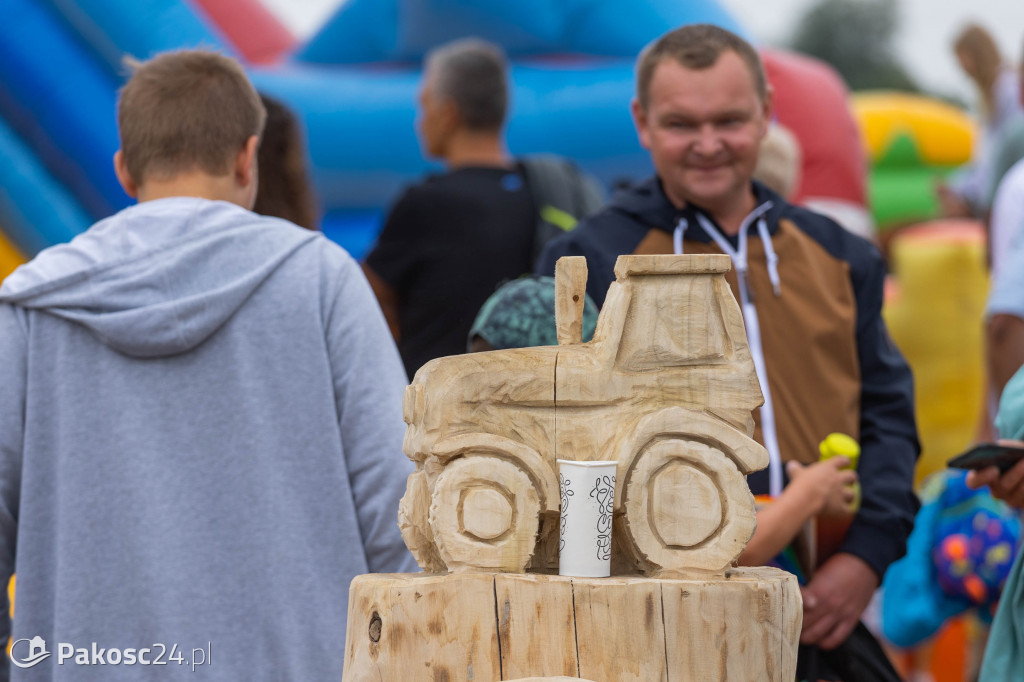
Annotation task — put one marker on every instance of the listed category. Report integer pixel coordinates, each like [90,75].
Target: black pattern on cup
[604,493]
[566,493]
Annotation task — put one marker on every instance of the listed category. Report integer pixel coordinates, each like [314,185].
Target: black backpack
[562,193]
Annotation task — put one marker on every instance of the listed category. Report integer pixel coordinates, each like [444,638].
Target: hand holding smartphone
[988,455]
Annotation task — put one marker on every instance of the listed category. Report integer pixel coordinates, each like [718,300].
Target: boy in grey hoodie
[200,416]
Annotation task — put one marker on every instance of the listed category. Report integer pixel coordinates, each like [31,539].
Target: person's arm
[1004,311]
[1008,487]
[843,585]
[1009,149]
[1004,347]
[368,384]
[888,434]
[13,352]
[836,597]
[391,264]
[387,298]
[951,203]
[820,488]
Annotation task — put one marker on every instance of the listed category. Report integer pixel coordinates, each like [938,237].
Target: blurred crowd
[464,264]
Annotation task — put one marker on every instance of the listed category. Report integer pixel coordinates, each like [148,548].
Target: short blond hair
[186,110]
[697,47]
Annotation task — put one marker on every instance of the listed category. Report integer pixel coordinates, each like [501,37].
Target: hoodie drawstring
[771,256]
[750,319]
[677,235]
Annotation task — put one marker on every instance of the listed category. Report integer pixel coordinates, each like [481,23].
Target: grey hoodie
[200,445]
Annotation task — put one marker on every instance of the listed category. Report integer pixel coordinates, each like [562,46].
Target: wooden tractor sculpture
[665,389]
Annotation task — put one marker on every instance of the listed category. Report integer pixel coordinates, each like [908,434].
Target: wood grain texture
[746,627]
[620,630]
[570,297]
[549,679]
[742,627]
[468,496]
[719,517]
[536,625]
[668,362]
[416,627]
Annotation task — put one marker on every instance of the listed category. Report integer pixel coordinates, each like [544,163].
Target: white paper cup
[585,531]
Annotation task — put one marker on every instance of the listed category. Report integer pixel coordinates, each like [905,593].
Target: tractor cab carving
[665,389]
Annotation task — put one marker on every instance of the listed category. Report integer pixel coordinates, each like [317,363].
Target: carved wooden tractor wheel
[485,506]
[685,496]
[484,512]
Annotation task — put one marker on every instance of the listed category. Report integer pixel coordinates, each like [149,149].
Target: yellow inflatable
[942,133]
[10,257]
[934,309]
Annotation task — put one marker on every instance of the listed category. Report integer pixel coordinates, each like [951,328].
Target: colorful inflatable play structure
[812,101]
[913,142]
[353,85]
[10,258]
[934,311]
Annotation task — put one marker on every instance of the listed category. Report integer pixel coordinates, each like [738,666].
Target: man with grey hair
[451,239]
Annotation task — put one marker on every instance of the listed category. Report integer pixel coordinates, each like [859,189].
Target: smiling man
[811,295]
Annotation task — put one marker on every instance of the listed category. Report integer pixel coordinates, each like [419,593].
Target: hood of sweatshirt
[158,278]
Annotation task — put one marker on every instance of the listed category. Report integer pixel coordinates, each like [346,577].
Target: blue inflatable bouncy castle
[353,84]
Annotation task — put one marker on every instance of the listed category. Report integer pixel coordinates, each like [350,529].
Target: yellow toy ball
[841,445]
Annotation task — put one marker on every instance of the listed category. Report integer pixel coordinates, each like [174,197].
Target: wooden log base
[487,627]
[560,678]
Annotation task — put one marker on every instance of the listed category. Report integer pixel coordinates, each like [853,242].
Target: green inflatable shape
[901,153]
[900,196]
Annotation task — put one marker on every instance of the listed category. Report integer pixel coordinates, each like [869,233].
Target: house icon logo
[37,652]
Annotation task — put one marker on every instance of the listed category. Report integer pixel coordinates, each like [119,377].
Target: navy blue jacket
[831,364]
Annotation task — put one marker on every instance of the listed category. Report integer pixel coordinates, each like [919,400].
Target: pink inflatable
[250,27]
[813,102]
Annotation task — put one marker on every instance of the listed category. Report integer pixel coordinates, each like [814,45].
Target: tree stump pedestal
[485,627]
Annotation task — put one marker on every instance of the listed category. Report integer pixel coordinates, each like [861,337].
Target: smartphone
[988,455]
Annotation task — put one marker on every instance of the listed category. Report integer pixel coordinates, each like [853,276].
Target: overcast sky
[927,30]
[928,27]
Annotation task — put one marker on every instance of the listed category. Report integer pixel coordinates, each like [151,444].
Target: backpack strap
[562,194]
